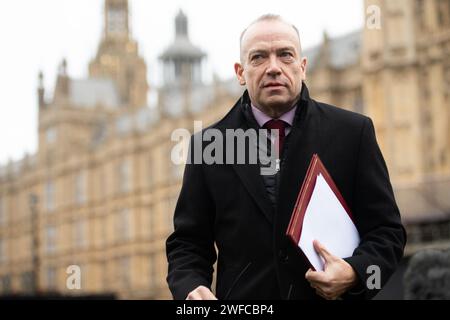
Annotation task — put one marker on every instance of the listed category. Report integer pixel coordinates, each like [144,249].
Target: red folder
[315,168]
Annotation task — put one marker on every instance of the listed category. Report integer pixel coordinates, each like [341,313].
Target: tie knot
[280,126]
[276,124]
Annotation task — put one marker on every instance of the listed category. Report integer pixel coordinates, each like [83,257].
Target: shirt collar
[263,118]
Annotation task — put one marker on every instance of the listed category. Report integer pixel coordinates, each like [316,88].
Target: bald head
[265,19]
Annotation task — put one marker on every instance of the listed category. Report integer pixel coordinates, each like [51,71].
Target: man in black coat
[244,214]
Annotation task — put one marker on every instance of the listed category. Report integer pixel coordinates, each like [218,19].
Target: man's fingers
[201,293]
[194,295]
[317,276]
[324,292]
[206,294]
[321,292]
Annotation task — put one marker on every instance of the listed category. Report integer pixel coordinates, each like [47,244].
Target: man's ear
[303,65]
[239,73]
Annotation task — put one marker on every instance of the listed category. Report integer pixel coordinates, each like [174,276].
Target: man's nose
[273,68]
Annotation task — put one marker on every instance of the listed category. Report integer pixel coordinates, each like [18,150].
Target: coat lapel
[249,174]
[251,178]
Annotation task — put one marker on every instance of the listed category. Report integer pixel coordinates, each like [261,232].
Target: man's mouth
[273,85]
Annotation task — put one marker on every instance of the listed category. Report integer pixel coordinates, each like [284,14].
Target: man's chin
[276,101]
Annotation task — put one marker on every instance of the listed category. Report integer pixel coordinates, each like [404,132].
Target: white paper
[327,221]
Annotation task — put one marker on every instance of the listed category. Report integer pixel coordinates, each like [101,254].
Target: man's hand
[337,278]
[201,293]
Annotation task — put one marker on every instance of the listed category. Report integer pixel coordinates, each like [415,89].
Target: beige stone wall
[405,66]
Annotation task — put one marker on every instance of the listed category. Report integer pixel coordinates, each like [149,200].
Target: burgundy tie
[280,125]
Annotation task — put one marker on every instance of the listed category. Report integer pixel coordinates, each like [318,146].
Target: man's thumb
[320,249]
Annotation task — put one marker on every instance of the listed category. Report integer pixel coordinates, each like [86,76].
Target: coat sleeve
[377,217]
[190,248]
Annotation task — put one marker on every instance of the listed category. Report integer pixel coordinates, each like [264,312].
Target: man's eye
[286,54]
[256,57]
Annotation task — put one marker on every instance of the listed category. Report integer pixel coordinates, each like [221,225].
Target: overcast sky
[36,35]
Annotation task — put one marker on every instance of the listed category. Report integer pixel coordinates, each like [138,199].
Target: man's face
[271,66]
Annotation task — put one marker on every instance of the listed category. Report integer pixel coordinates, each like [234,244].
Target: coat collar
[245,106]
